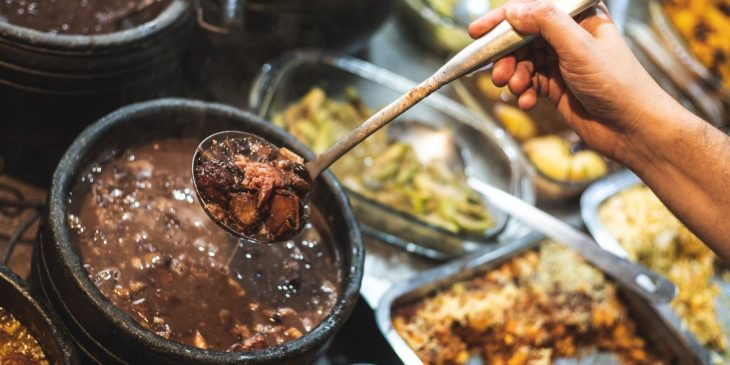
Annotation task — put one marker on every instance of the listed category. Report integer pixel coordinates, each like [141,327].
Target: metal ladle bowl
[251,146]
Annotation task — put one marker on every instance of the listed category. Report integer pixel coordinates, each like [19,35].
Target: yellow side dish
[530,310]
[704,25]
[651,235]
[540,137]
[553,157]
[386,171]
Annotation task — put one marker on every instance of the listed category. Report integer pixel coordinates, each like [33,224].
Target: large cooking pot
[259,30]
[337,24]
[105,333]
[51,85]
[46,327]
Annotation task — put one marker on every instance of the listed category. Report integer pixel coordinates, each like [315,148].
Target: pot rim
[64,179]
[79,42]
[58,332]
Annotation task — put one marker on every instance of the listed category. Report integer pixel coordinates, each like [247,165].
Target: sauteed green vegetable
[383,170]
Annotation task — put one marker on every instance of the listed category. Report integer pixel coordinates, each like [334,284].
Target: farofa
[704,25]
[651,235]
[530,310]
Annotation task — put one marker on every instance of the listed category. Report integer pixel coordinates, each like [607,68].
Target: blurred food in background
[564,166]
[384,170]
[529,310]
[704,25]
[433,23]
[652,236]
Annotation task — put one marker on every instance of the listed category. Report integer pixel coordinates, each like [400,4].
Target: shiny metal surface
[467,11]
[636,278]
[651,320]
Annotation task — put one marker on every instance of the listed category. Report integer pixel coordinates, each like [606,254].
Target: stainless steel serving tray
[592,200]
[652,321]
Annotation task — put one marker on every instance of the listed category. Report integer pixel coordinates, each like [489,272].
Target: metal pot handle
[227,17]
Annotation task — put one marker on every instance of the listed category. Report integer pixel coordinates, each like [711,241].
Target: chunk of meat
[284,214]
[291,156]
[264,178]
[237,184]
[301,182]
[244,209]
[214,181]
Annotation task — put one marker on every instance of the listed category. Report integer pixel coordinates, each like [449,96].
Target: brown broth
[153,252]
[80,16]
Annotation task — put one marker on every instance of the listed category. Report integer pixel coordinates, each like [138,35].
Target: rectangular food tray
[590,203]
[653,322]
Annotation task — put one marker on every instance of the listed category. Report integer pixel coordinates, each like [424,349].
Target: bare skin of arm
[588,72]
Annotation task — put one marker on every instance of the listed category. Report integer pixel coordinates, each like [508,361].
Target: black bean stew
[80,16]
[152,251]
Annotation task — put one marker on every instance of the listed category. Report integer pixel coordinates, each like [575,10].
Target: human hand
[585,69]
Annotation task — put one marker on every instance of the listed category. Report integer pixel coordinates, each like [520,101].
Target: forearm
[686,162]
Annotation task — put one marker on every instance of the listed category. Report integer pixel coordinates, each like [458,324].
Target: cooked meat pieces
[253,189]
[263,177]
[244,209]
[214,180]
[284,213]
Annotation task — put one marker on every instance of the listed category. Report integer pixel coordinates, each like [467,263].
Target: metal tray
[592,200]
[652,321]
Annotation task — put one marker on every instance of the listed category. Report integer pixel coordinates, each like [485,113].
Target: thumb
[544,18]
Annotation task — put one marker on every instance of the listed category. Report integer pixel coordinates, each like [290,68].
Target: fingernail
[514,11]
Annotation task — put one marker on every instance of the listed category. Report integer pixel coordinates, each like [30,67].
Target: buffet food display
[529,309]
[650,234]
[433,146]
[522,305]
[243,257]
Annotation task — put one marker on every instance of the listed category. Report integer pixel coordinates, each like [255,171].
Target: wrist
[656,135]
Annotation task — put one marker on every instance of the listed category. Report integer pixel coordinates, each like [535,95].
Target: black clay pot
[110,336]
[52,85]
[44,325]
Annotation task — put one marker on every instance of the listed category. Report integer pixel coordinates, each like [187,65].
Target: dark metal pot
[105,333]
[51,85]
[337,24]
[264,29]
[44,325]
